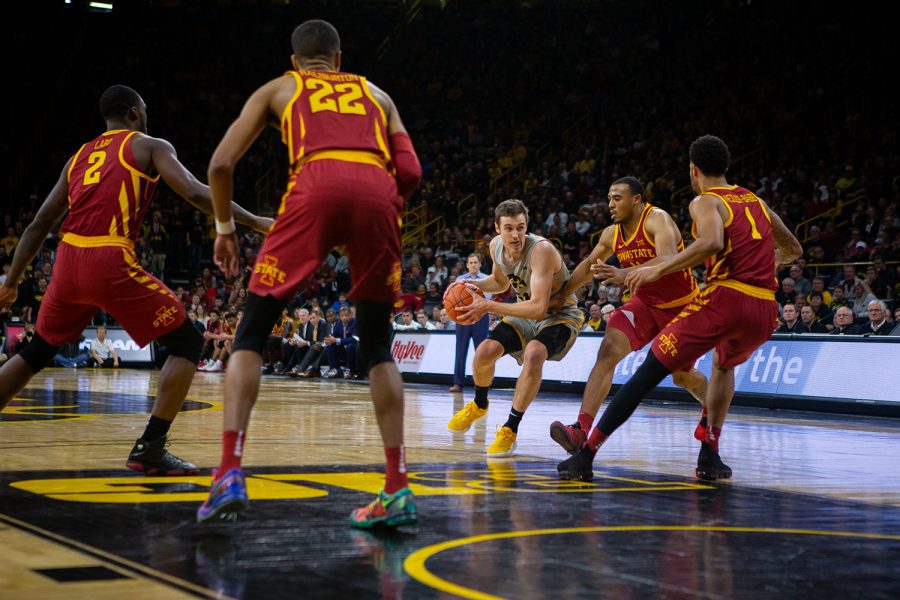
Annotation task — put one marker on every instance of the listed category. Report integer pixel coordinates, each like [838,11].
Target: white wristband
[225,228]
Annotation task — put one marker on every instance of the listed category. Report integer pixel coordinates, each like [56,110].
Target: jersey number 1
[754,231]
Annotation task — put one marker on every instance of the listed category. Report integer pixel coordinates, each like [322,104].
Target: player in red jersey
[640,233]
[106,188]
[352,165]
[734,314]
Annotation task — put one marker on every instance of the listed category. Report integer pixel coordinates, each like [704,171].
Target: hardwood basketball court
[813,509]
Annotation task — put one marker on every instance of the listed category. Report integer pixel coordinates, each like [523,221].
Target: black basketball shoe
[709,466]
[579,467]
[152,458]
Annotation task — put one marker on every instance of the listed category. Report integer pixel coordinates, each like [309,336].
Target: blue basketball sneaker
[227,497]
[387,510]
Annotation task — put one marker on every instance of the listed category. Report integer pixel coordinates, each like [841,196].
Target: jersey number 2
[346,103]
[95,160]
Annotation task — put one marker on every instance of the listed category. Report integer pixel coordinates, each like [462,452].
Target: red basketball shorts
[108,277]
[731,322]
[334,203]
[640,321]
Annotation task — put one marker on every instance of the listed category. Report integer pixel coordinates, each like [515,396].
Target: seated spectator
[272,352]
[310,366]
[847,280]
[295,343]
[821,312]
[785,293]
[437,273]
[808,319]
[213,327]
[818,287]
[340,347]
[102,352]
[595,319]
[221,339]
[802,285]
[862,297]
[424,323]
[614,295]
[341,301]
[195,321]
[433,299]
[445,323]
[407,323]
[789,320]
[800,301]
[409,299]
[877,282]
[69,355]
[838,298]
[878,323]
[844,322]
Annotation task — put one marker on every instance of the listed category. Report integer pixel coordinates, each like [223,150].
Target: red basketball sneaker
[570,437]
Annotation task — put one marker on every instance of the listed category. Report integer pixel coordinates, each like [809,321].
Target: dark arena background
[548,101]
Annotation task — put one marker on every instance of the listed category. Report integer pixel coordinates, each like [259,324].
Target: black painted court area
[629,534]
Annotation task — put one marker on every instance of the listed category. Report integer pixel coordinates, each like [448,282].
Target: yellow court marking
[129,490]
[289,486]
[52,410]
[415,562]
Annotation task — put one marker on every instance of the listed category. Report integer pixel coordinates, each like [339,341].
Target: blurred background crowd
[549,103]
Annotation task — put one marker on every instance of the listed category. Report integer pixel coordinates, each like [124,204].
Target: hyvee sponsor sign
[408,351]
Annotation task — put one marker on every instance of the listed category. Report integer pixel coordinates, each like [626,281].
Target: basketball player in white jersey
[535,269]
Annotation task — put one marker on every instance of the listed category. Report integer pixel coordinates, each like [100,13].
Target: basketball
[458,295]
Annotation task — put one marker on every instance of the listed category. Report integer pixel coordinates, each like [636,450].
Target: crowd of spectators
[567,96]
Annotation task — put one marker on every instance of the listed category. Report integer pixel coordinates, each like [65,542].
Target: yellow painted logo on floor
[290,486]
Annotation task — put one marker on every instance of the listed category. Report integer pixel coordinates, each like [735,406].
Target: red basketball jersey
[749,252]
[674,289]
[108,194]
[333,111]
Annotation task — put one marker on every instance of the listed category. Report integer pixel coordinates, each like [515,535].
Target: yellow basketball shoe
[465,418]
[504,445]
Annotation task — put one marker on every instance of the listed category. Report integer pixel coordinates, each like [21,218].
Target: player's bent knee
[184,342]
[373,324]
[535,354]
[38,353]
[489,350]
[681,379]
[260,315]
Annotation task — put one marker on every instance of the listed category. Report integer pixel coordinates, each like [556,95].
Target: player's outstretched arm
[710,239]
[583,272]
[787,247]
[52,210]
[165,160]
[666,237]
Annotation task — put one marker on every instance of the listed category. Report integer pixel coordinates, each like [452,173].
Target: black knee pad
[38,353]
[373,322]
[260,315]
[185,342]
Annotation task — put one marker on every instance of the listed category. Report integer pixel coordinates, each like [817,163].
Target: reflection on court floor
[799,520]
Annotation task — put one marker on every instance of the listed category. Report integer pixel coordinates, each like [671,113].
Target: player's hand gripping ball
[458,295]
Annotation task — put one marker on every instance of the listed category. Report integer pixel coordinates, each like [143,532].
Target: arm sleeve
[409,171]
